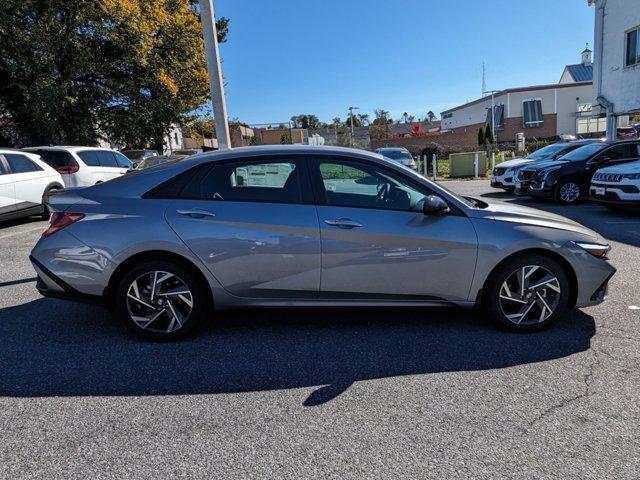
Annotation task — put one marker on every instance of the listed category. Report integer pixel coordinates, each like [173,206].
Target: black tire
[46,213]
[494,309]
[200,299]
[558,192]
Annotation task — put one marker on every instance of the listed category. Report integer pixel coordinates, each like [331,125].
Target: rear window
[57,158]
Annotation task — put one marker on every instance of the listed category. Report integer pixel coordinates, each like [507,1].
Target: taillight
[59,220]
[68,169]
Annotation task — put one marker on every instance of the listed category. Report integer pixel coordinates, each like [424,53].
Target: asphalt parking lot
[318,394]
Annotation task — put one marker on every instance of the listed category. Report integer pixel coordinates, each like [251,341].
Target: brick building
[540,111]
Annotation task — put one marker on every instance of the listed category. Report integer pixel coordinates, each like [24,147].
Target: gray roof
[581,72]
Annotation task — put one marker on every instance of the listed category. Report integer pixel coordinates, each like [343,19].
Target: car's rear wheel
[568,192]
[160,300]
[527,293]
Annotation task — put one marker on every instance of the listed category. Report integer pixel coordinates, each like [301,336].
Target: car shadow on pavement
[54,348]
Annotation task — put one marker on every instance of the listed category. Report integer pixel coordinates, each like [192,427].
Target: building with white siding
[616,83]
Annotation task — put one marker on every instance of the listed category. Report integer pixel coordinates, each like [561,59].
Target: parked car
[187,152]
[155,161]
[25,184]
[84,166]
[136,156]
[626,133]
[398,154]
[504,174]
[303,226]
[567,179]
[617,187]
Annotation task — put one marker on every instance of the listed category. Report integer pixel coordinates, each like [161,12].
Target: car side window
[123,162]
[617,152]
[274,181]
[3,169]
[20,163]
[90,158]
[354,184]
[107,159]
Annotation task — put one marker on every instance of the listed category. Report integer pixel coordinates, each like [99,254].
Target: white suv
[617,187]
[84,166]
[25,183]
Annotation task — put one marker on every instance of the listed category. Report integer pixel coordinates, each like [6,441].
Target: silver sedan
[308,226]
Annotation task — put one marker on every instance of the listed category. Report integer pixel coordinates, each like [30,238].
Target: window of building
[532,113]
[584,107]
[591,125]
[20,163]
[498,116]
[632,56]
[447,115]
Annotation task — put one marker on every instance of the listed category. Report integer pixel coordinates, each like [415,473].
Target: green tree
[72,71]
[488,134]
[431,116]
[382,117]
[364,118]
[307,121]
[356,121]
[481,137]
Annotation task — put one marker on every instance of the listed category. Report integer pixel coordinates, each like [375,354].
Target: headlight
[631,176]
[544,173]
[595,249]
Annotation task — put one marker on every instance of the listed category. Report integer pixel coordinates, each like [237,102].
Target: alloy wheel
[529,295]
[569,192]
[159,302]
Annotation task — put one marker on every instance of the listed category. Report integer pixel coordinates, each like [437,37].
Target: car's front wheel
[527,293]
[568,192]
[160,300]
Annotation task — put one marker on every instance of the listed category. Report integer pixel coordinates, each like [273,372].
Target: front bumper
[619,194]
[532,188]
[591,274]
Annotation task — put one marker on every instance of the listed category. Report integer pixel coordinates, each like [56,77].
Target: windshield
[546,152]
[584,153]
[396,154]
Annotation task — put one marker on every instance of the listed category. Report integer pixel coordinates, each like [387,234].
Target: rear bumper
[50,285]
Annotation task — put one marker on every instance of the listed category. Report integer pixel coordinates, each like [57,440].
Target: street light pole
[493,115]
[210,34]
[351,109]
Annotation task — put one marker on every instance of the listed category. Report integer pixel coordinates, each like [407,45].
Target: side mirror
[434,205]
[134,165]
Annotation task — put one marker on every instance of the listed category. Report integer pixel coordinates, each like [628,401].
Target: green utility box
[461,164]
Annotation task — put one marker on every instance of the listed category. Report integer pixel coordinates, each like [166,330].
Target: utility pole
[351,109]
[207,16]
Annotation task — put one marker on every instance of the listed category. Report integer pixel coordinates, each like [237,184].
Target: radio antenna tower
[484,81]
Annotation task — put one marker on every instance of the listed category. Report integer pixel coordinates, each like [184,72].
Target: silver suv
[308,226]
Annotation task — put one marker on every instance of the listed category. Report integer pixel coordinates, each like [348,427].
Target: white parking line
[21,232]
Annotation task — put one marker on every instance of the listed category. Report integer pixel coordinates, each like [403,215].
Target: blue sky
[286,57]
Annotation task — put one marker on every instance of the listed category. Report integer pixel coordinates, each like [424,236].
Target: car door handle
[343,223]
[196,213]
